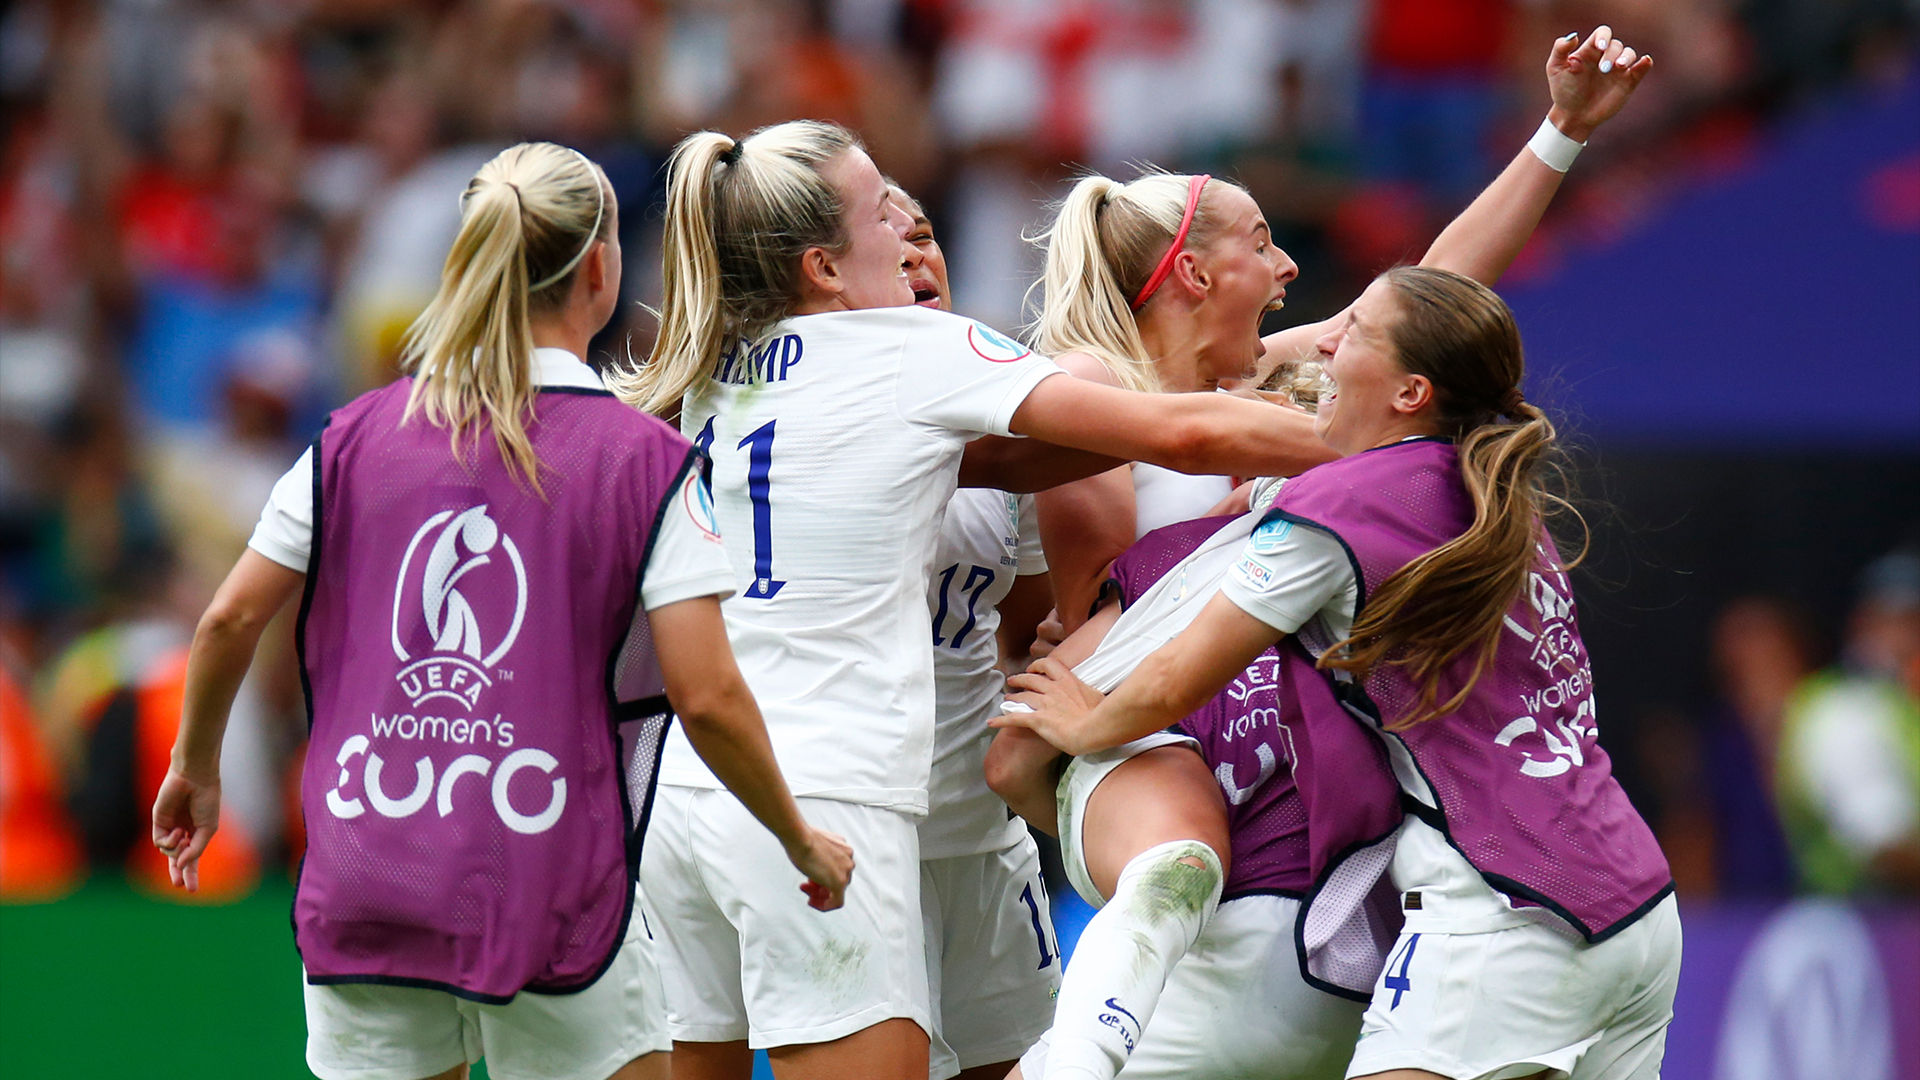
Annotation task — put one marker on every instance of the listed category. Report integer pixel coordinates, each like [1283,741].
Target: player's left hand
[1591,80]
[186,814]
[1060,705]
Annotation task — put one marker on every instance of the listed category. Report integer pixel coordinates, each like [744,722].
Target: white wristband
[1554,148]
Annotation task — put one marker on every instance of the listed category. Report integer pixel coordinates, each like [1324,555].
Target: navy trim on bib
[1353,561]
[1306,905]
[417,984]
[618,714]
[1241,894]
[300,655]
[1437,818]
[584,391]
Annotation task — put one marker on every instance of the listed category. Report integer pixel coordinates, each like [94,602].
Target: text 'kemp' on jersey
[770,362]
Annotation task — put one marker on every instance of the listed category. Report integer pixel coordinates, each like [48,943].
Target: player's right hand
[186,814]
[827,861]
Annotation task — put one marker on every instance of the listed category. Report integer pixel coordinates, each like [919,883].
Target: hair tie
[1160,272]
[599,212]
[1511,401]
[731,154]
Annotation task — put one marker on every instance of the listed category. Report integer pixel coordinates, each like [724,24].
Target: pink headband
[1194,187]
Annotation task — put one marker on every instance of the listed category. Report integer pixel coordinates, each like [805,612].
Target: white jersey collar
[558,367]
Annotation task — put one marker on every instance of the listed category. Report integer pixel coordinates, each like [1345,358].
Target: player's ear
[1414,393]
[819,272]
[1190,276]
[593,268]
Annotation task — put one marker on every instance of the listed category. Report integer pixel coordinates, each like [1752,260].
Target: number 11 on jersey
[759,448]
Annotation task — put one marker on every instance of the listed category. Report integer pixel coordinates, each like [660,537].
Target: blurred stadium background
[218,215]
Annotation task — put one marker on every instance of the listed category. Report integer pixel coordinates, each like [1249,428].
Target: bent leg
[1153,798]
[1153,834]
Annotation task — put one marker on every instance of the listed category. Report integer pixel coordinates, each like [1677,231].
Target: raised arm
[1589,82]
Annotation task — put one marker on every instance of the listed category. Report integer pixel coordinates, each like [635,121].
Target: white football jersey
[989,537]
[1164,497]
[836,443]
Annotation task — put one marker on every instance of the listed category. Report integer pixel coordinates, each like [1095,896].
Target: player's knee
[1180,879]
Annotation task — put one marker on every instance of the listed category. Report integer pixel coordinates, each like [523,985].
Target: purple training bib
[486,708]
[1311,802]
[1524,790]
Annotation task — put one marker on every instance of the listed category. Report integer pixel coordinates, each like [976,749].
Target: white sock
[1121,963]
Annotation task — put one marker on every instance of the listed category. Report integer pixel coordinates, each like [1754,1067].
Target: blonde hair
[527,220]
[739,216]
[1102,247]
[1451,601]
[1299,381]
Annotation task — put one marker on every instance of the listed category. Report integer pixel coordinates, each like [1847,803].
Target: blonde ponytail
[528,216]
[1101,249]
[739,216]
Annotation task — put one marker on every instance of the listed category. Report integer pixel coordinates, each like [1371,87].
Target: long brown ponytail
[1451,601]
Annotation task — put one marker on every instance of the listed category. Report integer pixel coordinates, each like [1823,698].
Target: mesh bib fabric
[486,706]
[1521,783]
[1311,803]
[1243,737]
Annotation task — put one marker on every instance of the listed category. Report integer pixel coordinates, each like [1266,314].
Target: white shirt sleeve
[1029,556]
[688,558]
[1288,573]
[963,376]
[285,531]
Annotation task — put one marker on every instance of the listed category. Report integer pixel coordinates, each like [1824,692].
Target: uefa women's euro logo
[458,607]
[456,593]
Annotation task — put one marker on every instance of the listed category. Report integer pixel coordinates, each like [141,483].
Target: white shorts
[360,1031]
[744,957]
[992,959]
[1235,1006]
[1512,1002]
[1083,774]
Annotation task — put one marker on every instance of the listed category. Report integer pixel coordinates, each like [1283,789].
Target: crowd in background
[217,219]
